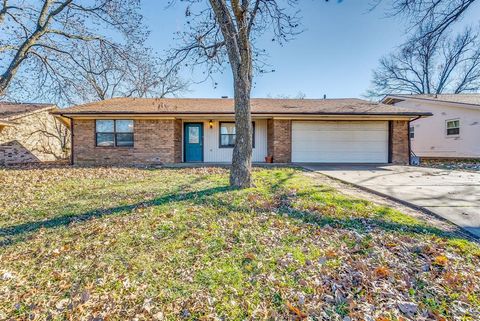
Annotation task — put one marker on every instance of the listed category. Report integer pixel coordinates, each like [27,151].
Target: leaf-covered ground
[179,244]
[472,165]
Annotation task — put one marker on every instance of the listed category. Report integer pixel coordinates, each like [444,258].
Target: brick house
[159,131]
[29,133]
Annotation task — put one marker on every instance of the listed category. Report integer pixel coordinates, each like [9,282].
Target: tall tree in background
[432,61]
[69,51]
[439,14]
[430,65]
[225,31]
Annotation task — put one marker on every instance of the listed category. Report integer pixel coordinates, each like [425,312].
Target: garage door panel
[341,125]
[343,158]
[339,136]
[338,148]
[340,141]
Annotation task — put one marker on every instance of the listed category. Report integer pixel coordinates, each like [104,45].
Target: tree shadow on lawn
[362,224]
[13,234]
[281,206]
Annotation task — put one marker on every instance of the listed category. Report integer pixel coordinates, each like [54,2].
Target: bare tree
[138,74]
[443,13]
[41,36]
[430,64]
[225,31]
[133,71]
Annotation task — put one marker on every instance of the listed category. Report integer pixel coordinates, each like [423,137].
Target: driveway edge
[460,230]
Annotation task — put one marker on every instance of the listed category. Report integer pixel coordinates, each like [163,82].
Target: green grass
[124,243]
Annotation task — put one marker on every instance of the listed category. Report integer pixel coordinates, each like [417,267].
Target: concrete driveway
[453,195]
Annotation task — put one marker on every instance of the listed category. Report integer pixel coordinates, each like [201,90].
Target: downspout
[409,140]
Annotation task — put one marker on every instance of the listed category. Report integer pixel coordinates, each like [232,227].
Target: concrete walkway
[453,195]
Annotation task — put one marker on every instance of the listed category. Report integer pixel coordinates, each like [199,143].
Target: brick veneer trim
[399,140]
[279,140]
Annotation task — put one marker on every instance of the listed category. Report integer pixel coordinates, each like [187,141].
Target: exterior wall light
[210,123]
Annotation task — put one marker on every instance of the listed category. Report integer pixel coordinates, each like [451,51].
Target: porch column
[399,141]
[279,140]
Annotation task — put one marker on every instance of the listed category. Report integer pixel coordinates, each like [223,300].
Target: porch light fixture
[210,123]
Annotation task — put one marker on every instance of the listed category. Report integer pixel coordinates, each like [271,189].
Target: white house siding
[213,154]
[431,139]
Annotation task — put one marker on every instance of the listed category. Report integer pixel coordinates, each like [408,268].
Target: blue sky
[334,56]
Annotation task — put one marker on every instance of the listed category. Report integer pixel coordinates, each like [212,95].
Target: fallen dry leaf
[296,311]
[440,260]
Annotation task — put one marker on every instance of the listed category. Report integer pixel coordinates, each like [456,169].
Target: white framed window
[453,127]
[228,135]
[114,133]
[411,132]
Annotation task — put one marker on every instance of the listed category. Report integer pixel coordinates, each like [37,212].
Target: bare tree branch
[430,65]
[226,32]
[443,12]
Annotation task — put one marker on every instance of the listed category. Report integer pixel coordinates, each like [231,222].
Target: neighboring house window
[228,135]
[453,127]
[412,132]
[114,133]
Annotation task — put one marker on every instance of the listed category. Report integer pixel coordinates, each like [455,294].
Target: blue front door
[193,137]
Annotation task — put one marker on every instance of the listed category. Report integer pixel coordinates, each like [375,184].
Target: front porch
[212,140]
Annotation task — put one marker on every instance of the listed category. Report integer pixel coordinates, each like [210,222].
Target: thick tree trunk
[240,174]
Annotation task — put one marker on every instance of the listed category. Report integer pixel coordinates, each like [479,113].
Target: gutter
[232,113]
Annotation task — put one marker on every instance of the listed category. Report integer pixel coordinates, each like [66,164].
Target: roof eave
[32,112]
[433,100]
[90,113]
[7,123]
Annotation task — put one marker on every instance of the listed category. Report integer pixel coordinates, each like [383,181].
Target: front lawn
[179,244]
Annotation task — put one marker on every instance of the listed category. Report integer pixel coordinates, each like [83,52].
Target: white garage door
[340,141]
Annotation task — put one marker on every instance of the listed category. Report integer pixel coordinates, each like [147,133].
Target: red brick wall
[279,140]
[155,142]
[399,140]
[178,142]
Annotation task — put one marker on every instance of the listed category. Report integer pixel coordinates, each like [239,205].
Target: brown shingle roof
[9,110]
[225,106]
[472,99]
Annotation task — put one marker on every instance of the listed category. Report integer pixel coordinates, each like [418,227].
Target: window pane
[193,135]
[124,126]
[125,140]
[104,126]
[227,140]
[105,140]
[453,124]
[227,128]
[453,131]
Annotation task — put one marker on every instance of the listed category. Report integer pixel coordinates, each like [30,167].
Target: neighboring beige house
[158,131]
[29,133]
[452,132]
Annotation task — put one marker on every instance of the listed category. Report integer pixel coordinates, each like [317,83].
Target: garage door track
[453,195]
